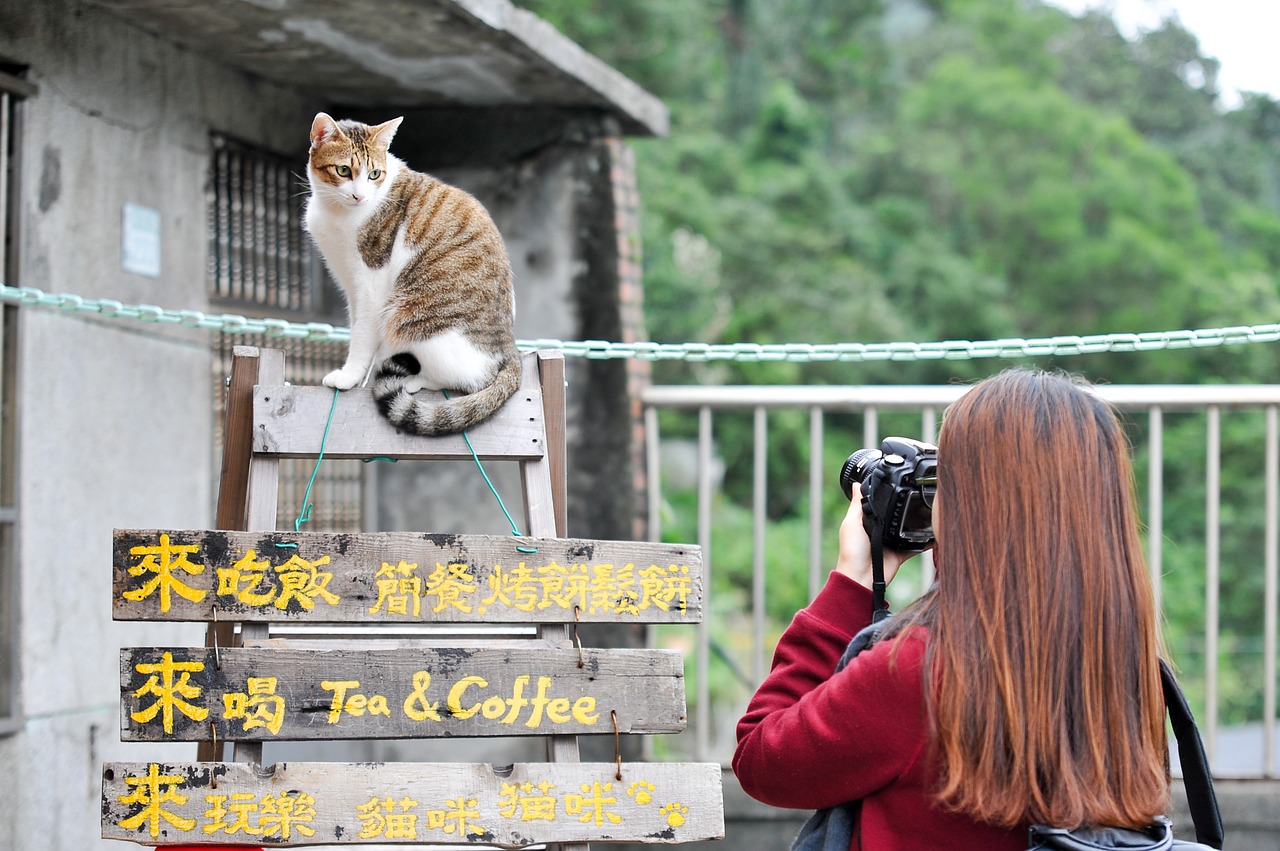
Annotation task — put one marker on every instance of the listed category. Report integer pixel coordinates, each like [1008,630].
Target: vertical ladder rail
[249,367]
[544,482]
[262,495]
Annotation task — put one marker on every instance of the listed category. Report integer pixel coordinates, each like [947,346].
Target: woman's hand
[854,560]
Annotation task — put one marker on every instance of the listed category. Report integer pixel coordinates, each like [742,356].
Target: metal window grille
[261,260]
[12,90]
[338,494]
[259,255]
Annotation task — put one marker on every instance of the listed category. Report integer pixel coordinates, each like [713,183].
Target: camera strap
[879,605]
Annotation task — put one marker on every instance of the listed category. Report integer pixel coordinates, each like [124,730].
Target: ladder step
[289,422]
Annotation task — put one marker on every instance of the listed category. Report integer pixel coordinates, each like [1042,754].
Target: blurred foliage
[923,170]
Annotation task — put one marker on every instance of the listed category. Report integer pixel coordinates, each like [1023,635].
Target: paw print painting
[675,813]
[642,792]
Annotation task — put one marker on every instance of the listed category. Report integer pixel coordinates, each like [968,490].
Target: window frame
[13,90]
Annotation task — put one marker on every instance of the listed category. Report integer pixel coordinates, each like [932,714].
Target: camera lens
[855,468]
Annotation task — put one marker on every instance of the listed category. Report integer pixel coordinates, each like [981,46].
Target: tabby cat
[426,276]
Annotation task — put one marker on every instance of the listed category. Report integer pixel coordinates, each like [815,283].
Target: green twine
[304,516]
[515,530]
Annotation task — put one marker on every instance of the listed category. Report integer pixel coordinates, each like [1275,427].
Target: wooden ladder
[530,429]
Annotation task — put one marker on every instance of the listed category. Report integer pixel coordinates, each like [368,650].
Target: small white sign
[140,248]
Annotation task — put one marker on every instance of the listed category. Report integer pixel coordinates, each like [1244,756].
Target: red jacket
[811,739]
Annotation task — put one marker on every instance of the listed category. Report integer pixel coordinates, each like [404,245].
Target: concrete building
[153,152]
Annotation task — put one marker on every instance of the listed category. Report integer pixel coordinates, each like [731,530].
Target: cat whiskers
[303,181]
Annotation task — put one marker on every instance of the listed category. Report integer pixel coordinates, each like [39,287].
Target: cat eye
[375,174]
[343,170]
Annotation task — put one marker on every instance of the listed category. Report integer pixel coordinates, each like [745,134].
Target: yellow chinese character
[457,818]
[450,584]
[667,588]
[163,560]
[259,707]
[296,580]
[563,587]
[400,591]
[378,818]
[591,804]
[520,798]
[244,580]
[169,693]
[242,804]
[516,588]
[301,581]
[282,814]
[151,792]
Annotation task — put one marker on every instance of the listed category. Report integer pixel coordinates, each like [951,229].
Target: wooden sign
[246,694]
[401,577]
[403,803]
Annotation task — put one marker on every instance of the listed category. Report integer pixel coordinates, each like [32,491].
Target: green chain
[749,352]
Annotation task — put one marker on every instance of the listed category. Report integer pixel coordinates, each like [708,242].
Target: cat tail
[436,416]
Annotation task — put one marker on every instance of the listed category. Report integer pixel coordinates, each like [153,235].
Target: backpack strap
[1201,799]
[864,638]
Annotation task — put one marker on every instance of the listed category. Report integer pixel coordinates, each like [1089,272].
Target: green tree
[866,170]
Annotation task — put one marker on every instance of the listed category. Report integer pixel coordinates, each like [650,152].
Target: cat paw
[342,379]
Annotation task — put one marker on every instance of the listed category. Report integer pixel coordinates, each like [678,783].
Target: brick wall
[626,219]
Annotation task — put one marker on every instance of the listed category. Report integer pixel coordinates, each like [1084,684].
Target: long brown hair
[1047,704]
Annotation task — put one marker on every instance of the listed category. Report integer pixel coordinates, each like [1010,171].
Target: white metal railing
[1209,402]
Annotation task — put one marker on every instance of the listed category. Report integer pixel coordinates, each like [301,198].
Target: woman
[1023,688]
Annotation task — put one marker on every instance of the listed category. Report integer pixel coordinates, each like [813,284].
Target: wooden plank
[295,804]
[289,422]
[237,436]
[400,577]
[551,372]
[287,693]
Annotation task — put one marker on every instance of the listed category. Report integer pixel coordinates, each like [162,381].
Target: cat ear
[386,131]
[323,128]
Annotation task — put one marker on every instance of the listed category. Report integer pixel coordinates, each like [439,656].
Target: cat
[428,283]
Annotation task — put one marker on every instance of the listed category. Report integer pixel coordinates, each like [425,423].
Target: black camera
[898,483]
